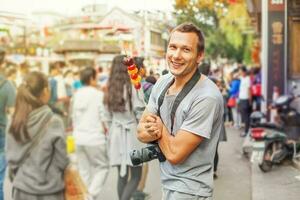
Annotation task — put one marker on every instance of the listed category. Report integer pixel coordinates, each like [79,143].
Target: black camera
[146,154]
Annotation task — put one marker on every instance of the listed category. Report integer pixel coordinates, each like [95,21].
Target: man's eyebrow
[186,46]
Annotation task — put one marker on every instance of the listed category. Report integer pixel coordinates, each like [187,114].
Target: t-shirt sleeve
[201,117]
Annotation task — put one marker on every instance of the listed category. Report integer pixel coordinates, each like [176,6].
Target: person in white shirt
[245,99]
[89,133]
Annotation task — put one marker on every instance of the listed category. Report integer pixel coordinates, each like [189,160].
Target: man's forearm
[178,148]
[166,143]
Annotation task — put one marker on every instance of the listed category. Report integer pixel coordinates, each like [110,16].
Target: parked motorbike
[276,142]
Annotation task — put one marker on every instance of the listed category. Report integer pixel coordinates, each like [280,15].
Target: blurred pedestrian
[147,82]
[76,83]
[232,101]
[125,106]
[35,144]
[11,75]
[89,133]
[223,135]
[245,99]
[147,86]
[7,102]
[256,89]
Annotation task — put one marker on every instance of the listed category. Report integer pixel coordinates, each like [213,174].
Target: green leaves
[223,25]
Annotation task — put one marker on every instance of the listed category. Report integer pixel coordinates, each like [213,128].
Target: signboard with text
[276,42]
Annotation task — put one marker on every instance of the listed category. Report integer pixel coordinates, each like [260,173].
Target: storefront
[278,26]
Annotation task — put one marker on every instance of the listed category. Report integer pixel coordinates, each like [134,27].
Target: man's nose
[177,53]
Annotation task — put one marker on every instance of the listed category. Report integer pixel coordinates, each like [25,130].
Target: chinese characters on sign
[277,33]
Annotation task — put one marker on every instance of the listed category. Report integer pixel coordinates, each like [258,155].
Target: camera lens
[135,157]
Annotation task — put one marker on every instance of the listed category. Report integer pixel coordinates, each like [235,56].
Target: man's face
[182,55]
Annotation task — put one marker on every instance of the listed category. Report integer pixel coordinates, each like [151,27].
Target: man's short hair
[86,74]
[192,28]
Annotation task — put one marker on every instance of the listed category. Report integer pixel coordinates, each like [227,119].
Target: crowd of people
[100,110]
[109,118]
[241,89]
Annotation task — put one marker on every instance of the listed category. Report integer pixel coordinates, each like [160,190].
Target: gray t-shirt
[201,113]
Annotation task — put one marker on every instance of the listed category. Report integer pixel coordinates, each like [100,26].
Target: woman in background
[125,106]
[35,145]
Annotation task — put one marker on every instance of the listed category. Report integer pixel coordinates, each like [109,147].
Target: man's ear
[200,57]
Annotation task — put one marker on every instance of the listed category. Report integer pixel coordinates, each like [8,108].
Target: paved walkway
[282,183]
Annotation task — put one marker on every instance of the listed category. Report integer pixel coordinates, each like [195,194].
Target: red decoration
[133,72]
[134,76]
[131,67]
[137,86]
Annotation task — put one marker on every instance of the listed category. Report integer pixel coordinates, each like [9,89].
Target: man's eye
[186,50]
[172,47]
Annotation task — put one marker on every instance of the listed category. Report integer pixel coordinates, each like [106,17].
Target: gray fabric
[21,195]
[169,195]
[7,99]
[42,172]
[122,132]
[201,113]
[223,134]
[93,167]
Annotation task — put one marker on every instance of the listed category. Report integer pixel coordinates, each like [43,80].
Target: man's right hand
[148,129]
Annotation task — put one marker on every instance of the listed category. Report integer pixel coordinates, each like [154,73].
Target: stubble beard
[185,72]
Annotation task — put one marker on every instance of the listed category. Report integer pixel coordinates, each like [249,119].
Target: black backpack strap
[182,94]
[162,96]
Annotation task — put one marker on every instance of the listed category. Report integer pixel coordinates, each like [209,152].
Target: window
[156,39]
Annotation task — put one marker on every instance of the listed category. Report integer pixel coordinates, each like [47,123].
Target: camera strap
[182,94]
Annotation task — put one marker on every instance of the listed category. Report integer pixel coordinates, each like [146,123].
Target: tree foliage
[223,23]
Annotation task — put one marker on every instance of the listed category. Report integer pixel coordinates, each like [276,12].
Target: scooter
[274,143]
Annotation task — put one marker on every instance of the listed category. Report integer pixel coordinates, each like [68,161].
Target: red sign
[276,5]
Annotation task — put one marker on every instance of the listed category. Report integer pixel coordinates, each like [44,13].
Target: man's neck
[181,81]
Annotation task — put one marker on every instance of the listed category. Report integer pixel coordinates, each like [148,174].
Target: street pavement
[238,179]
[234,171]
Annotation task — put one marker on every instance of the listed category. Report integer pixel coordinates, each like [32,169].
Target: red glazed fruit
[128,61]
[134,76]
[137,86]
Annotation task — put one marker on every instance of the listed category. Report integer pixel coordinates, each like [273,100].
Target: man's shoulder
[208,88]
[161,83]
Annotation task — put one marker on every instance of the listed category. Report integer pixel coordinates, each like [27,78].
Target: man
[7,101]
[245,99]
[189,149]
[89,133]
